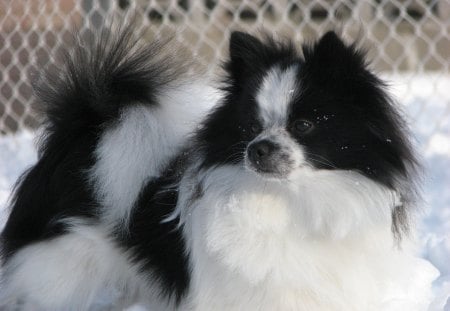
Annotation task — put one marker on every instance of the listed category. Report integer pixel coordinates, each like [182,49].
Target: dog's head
[285,113]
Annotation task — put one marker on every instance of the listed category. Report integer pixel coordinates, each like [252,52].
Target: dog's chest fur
[250,251]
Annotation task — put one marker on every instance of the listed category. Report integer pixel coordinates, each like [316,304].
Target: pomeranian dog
[289,187]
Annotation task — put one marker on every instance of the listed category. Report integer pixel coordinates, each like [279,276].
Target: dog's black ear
[329,49]
[244,50]
[331,58]
[330,42]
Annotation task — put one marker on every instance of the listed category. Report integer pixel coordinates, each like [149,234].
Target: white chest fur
[261,245]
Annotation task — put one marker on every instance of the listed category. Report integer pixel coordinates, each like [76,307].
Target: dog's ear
[331,43]
[244,50]
[330,48]
[330,58]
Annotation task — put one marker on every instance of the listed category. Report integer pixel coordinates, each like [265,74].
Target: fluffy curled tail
[105,72]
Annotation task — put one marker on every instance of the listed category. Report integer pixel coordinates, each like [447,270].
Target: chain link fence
[405,38]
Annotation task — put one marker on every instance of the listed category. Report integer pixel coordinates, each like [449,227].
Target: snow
[426,101]
[17,152]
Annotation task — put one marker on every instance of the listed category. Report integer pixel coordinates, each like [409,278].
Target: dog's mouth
[264,172]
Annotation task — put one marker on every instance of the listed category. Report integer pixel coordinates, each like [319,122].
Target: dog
[289,186]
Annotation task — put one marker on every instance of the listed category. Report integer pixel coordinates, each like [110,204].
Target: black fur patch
[356,124]
[155,243]
[54,188]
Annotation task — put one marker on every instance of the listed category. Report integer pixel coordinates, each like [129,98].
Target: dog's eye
[302,126]
[255,128]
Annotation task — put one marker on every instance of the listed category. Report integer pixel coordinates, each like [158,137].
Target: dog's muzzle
[263,156]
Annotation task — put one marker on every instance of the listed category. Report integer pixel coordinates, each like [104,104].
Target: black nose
[259,153]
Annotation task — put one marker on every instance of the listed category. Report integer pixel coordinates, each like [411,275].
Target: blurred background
[408,42]
[408,37]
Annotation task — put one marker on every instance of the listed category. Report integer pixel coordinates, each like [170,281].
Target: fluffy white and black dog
[288,188]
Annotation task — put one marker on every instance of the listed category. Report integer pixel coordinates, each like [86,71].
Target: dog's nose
[260,152]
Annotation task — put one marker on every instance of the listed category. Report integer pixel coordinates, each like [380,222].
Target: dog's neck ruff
[283,242]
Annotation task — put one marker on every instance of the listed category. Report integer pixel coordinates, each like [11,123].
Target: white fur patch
[80,270]
[275,95]
[318,241]
[142,143]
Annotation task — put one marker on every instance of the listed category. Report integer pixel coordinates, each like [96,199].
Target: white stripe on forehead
[274,96]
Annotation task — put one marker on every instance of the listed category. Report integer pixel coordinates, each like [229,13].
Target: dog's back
[116,113]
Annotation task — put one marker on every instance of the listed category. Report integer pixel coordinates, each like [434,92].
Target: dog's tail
[116,111]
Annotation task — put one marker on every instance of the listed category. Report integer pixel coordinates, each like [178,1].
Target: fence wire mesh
[407,38]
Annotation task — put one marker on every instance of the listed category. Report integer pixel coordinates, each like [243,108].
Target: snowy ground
[426,101]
